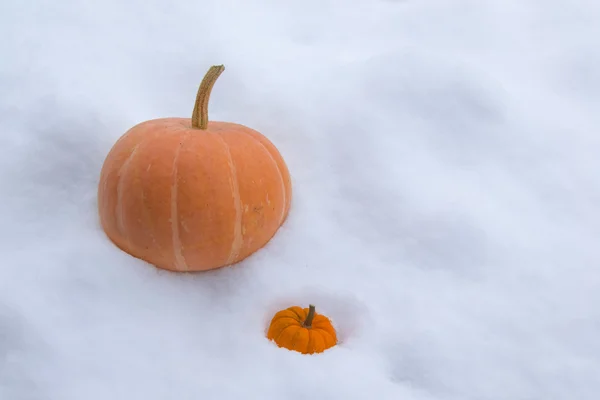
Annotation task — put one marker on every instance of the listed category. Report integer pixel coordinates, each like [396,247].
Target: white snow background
[446,214]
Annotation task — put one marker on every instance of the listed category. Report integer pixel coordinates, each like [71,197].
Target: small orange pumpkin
[189,194]
[303,330]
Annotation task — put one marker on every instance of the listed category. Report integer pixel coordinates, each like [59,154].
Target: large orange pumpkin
[189,194]
[302,330]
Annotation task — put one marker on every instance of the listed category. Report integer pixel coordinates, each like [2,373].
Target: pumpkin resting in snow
[188,194]
[303,330]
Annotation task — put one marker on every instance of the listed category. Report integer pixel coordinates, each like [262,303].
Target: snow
[446,210]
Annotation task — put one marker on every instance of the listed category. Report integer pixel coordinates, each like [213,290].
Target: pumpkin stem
[200,113]
[309,318]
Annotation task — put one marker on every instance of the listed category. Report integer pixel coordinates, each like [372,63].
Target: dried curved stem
[309,318]
[200,113]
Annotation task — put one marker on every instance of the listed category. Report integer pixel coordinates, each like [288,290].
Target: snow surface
[446,210]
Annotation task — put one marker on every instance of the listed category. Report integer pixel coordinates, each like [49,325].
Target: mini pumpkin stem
[309,318]
[200,113]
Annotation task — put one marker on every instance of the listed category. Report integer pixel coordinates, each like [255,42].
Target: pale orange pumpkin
[189,194]
[302,330]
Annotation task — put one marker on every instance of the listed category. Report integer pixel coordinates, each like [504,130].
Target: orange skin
[287,330]
[189,199]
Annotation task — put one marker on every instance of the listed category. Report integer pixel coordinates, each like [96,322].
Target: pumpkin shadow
[57,162]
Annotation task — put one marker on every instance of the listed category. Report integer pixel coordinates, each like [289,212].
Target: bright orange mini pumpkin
[303,330]
[192,194]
